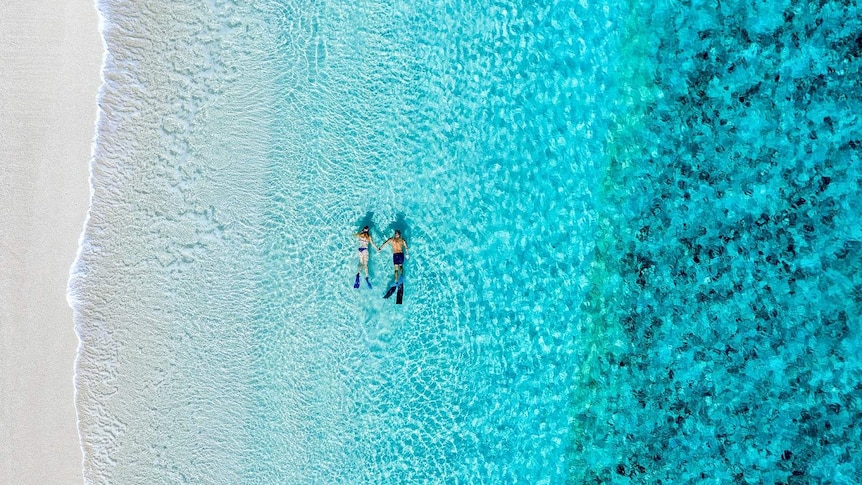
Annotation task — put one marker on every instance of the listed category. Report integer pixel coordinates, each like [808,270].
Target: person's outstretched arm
[384,244]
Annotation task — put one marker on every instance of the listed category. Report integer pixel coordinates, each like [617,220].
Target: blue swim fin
[391,290]
[356,283]
[368,282]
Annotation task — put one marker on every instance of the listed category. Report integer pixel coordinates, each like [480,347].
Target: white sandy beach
[50,55]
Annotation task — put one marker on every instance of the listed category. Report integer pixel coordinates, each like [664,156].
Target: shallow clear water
[633,238]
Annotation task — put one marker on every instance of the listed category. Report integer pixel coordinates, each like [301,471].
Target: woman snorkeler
[364,237]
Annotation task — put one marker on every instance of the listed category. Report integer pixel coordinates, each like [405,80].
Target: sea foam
[163,288]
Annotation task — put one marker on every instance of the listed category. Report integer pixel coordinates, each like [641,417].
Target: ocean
[634,243]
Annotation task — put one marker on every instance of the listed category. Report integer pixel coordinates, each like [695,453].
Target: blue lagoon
[634,243]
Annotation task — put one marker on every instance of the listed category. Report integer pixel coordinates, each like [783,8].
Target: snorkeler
[399,252]
[364,240]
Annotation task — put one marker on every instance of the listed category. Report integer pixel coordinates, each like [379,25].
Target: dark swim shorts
[397,258]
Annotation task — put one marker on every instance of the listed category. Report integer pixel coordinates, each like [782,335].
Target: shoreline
[52,57]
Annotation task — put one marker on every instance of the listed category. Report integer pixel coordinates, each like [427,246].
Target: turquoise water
[633,235]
